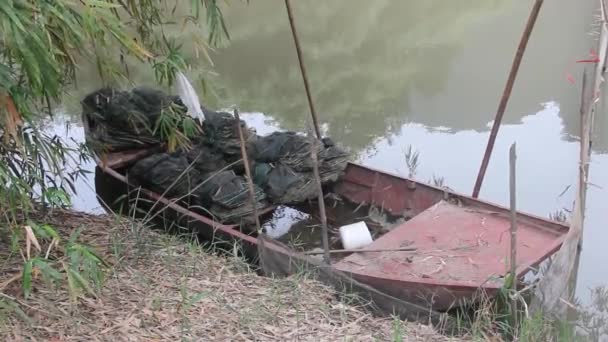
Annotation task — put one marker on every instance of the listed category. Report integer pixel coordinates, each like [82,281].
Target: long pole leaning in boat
[320,198]
[315,142]
[506,95]
[237,123]
[296,41]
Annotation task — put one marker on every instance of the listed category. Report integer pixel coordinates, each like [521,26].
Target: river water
[386,75]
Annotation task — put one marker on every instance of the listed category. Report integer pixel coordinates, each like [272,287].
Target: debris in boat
[355,235]
[300,228]
[316,253]
[189,97]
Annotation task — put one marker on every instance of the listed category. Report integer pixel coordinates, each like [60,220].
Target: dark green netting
[209,173]
[118,120]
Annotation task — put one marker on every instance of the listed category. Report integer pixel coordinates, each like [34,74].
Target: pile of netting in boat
[117,120]
[208,174]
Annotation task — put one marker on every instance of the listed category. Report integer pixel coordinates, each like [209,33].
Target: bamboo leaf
[26,278]
[12,307]
[73,288]
[81,282]
[75,235]
[90,254]
[50,231]
[101,4]
[48,272]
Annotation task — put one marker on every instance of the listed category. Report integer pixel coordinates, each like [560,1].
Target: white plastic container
[355,235]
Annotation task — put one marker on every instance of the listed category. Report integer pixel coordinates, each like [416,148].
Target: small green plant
[82,271]
[10,308]
[559,215]
[438,181]
[186,303]
[84,267]
[411,161]
[168,120]
[398,329]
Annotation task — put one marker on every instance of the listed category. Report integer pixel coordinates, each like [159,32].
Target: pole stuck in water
[237,121]
[513,258]
[311,105]
[506,95]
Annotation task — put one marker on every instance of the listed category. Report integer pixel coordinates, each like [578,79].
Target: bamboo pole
[294,32]
[506,95]
[339,251]
[512,192]
[320,197]
[315,142]
[237,121]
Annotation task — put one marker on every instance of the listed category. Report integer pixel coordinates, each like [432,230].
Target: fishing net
[284,165]
[226,189]
[165,173]
[220,132]
[283,185]
[117,120]
[222,194]
[206,158]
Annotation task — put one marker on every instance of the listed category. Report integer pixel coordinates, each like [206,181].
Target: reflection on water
[365,60]
[387,74]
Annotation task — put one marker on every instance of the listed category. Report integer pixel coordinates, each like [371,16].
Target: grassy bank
[161,287]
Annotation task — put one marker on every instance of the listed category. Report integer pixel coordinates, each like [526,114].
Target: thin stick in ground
[313,113]
[512,189]
[506,95]
[237,121]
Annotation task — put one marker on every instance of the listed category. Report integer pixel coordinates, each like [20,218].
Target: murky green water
[388,74]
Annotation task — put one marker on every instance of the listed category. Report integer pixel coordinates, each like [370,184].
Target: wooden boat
[462,244]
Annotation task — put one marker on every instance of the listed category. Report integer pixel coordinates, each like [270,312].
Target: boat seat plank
[454,244]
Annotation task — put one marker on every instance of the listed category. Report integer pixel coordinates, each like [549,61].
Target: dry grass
[162,288]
